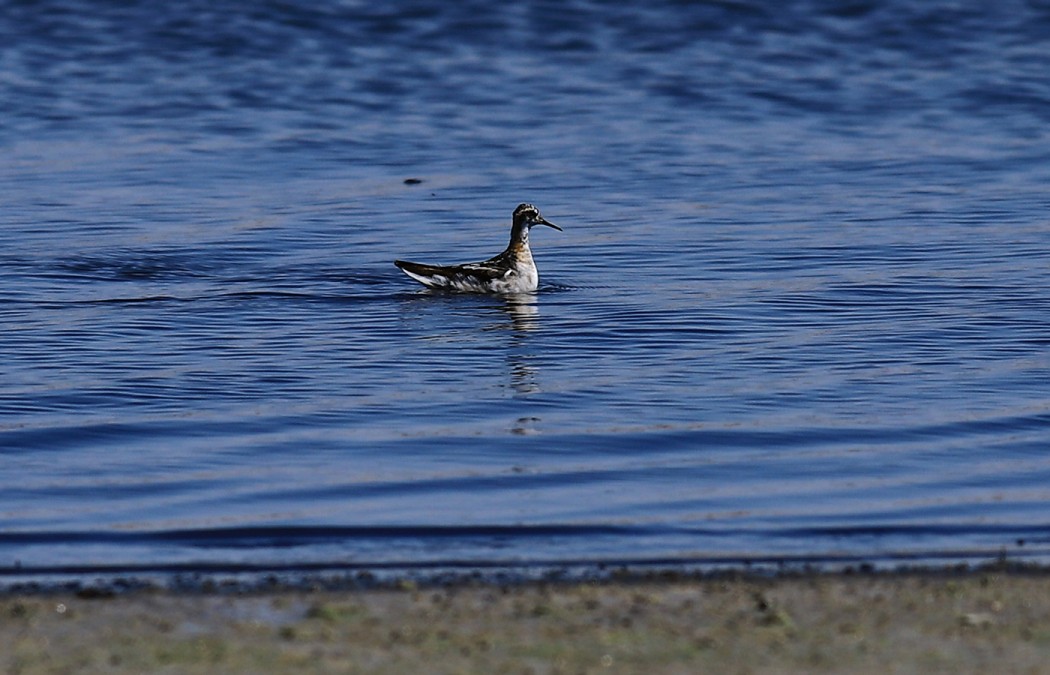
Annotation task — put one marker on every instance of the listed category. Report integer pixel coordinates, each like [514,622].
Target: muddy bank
[980,621]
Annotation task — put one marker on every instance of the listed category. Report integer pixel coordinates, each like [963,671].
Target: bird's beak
[543,221]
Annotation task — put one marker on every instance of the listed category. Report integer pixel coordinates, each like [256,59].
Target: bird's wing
[421,269]
[484,270]
[440,276]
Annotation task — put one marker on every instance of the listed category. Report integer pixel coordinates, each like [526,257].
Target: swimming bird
[512,271]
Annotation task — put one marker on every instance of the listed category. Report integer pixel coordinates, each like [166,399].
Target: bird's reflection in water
[523,310]
[524,313]
[515,319]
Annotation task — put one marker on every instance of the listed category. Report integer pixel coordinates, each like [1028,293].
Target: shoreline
[107,580]
[990,619]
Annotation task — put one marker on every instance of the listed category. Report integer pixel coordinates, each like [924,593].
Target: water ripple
[798,310]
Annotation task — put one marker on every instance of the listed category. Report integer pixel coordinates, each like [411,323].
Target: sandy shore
[976,622]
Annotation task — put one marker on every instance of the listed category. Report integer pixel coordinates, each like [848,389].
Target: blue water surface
[800,310]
